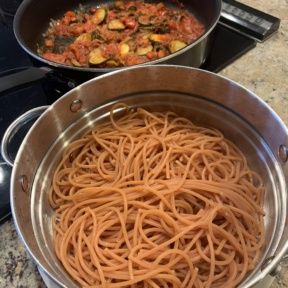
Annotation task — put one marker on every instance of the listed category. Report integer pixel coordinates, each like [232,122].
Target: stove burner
[223,52]
[9,7]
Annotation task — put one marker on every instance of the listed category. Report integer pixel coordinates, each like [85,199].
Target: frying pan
[208,99]
[33,17]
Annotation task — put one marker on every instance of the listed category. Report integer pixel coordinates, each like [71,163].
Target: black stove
[227,45]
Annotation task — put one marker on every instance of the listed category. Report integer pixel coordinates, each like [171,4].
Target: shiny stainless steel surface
[206,98]
[14,127]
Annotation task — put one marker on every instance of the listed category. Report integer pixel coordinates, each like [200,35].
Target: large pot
[207,98]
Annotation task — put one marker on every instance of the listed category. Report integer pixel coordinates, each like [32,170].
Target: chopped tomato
[161,54]
[59,58]
[70,14]
[111,15]
[69,17]
[151,55]
[189,26]
[49,43]
[134,60]
[173,25]
[130,23]
[77,29]
[110,50]
[89,26]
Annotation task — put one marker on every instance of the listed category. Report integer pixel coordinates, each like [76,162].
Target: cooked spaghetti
[152,200]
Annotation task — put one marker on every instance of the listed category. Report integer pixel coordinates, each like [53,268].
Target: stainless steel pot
[207,98]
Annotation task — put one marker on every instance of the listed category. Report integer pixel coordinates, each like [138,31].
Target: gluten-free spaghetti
[152,200]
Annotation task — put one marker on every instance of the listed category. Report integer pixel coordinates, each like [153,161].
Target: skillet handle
[14,128]
[25,76]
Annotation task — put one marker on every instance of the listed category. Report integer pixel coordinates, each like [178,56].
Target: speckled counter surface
[263,70]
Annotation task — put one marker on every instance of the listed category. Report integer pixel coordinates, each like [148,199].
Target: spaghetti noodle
[152,200]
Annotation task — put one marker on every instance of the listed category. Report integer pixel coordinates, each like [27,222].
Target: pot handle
[14,128]
[18,77]
[12,79]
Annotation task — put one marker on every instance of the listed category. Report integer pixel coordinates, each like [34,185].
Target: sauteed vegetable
[122,34]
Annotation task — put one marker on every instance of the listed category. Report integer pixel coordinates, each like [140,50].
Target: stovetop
[227,45]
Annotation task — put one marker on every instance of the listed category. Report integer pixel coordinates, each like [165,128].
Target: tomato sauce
[124,33]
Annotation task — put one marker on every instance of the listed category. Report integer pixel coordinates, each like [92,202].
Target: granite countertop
[263,70]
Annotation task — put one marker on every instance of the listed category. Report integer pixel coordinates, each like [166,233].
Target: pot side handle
[14,127]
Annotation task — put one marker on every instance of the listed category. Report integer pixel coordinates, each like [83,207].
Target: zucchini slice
[176,45]
[96,57]
[144,20]
[132,9]
[99,16]
[160,38]
[116,24]
[112,63]
[124,49]
[144,50]
[84,37]
[74,62]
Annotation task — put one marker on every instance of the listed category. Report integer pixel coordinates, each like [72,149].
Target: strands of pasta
[151,200]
